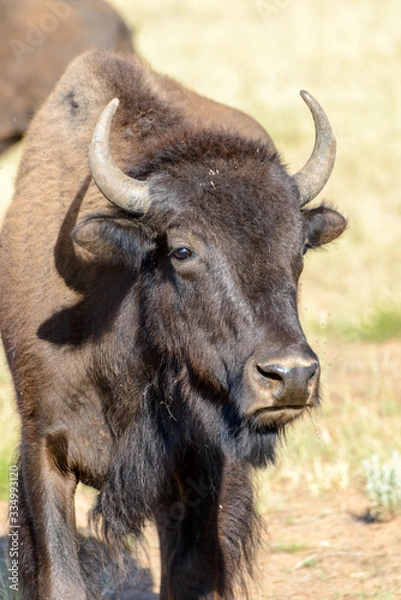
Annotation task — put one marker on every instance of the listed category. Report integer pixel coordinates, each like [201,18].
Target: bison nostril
[270,372]
[274,376]
[312,370]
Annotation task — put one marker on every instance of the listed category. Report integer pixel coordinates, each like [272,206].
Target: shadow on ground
[106,580]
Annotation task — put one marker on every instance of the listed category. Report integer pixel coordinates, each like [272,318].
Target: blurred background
[256,55]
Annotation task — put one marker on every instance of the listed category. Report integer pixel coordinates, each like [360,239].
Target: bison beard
[175,422]
[149,317]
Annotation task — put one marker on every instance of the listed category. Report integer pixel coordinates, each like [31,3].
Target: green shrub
[383,486]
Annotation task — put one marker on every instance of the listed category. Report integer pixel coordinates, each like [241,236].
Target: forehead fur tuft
[202,147]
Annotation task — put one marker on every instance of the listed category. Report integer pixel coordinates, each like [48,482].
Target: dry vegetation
[257,55]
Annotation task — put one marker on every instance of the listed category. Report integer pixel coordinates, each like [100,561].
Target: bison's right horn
[130,194]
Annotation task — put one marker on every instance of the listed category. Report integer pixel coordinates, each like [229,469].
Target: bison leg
[207,533]
[49,552]
[190,554]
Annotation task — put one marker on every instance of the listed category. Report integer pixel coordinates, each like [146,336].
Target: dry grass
[257,56]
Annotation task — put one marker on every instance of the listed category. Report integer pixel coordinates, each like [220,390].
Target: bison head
[213,231]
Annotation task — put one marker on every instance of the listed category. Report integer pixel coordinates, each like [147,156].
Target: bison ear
[323,225]
[114,240]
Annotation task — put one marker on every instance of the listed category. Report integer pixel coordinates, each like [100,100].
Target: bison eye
[182,253]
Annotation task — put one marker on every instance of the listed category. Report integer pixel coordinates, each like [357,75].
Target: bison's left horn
[130,194]
[312,178]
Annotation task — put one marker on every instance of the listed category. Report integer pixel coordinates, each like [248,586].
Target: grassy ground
[257,55]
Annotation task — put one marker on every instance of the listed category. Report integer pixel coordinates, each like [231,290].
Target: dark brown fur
[38,38]
[130,365]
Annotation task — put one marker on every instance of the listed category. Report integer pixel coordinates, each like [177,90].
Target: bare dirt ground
[321,548]
[315,548]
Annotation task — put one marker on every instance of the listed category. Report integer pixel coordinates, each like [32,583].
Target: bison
[149,315]
[38,38]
